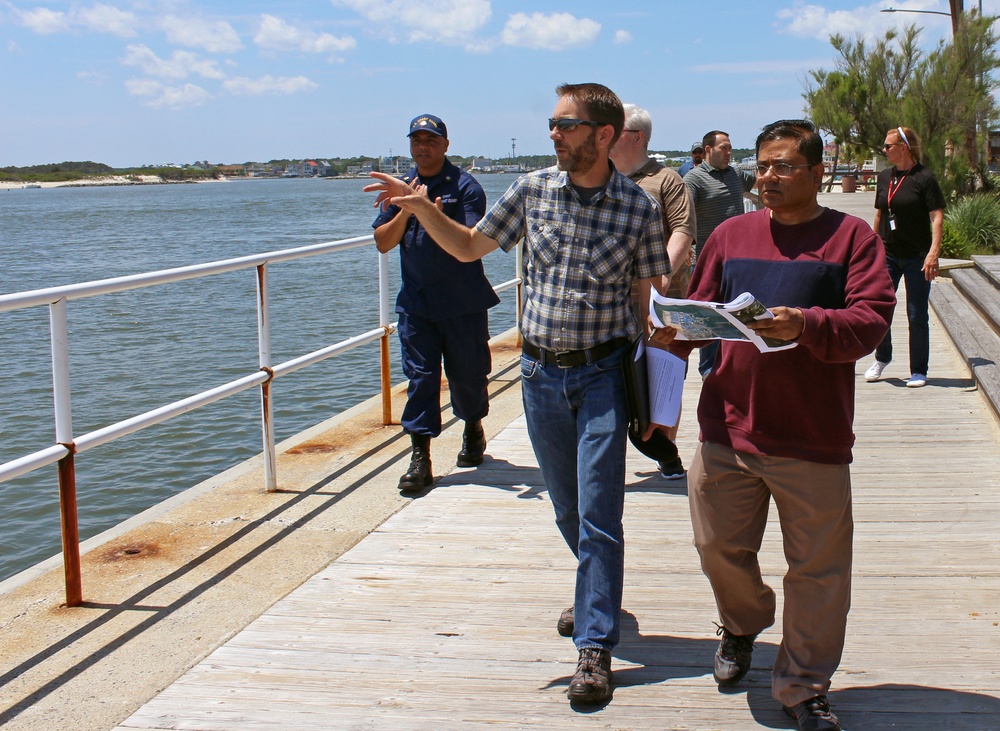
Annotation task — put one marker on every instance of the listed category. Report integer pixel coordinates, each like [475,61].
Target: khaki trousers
[730,493]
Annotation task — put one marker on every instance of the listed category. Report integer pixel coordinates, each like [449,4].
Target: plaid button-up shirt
[579,259]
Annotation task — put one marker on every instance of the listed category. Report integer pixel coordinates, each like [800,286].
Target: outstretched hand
[387,188]
[396,192]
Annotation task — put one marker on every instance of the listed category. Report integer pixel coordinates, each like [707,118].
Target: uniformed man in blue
[442,306]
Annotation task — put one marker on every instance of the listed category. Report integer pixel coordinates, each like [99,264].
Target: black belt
[570,358]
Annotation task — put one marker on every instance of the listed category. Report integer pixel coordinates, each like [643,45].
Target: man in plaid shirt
[588,231]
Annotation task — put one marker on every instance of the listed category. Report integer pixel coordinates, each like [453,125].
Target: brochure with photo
[694,320]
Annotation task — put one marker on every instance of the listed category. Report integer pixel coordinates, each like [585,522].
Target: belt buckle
[559,356]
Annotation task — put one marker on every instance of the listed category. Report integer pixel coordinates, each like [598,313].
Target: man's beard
[581,158]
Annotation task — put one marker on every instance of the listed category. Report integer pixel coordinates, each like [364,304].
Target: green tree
[945,95]
[862,97]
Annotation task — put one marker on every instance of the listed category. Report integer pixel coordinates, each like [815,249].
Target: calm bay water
[135,351]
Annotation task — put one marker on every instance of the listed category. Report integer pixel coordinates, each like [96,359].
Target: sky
[148,82]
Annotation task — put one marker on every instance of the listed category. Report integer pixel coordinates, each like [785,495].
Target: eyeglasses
[890,145]
[781,169]
[568,124]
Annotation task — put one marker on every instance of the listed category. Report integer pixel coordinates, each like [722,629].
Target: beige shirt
[667,187]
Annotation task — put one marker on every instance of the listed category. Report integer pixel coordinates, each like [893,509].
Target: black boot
[473,445]
[418,475]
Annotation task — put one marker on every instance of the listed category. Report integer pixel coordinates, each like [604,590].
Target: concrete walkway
[444,618]
[175,584]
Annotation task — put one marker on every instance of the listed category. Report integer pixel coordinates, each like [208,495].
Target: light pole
[953,15]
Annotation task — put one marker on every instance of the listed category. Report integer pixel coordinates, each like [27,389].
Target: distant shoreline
[126,180]
[86,182]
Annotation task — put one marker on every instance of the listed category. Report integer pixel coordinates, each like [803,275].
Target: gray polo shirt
[717,195]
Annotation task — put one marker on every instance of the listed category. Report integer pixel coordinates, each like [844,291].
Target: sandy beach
[103,180]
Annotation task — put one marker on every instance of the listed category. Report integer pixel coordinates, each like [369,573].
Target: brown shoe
[592,682]
[566,623]
[732,659]
[814,714]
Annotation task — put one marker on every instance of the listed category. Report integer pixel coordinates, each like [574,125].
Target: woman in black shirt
[909,217]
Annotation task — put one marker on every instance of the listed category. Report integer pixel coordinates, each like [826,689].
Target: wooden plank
[444,618]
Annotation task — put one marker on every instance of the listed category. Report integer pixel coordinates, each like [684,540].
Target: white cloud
[211,36]
[554,32]
[815,21]
[760,67]
[622,37]
[167,97]
[44,21]
[269,85]
[277,35]
[91,77]
[442,21]
[101,18]
[107,19]
[180,65]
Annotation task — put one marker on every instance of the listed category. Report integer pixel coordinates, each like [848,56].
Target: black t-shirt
[918,194]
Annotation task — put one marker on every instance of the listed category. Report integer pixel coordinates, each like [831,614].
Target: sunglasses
[568,124]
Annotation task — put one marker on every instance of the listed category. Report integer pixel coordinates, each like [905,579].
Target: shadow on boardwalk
[444,618]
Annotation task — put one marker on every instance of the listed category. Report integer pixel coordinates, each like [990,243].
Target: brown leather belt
[570,358]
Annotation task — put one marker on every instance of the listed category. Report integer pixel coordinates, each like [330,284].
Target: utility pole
[512,147]
[956,15]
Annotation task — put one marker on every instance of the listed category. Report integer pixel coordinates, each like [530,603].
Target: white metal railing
[67,445]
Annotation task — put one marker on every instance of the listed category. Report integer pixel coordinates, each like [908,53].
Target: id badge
[892,223]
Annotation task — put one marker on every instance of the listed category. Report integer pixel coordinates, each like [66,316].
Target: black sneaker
[592,681]
[732,659]
[814,714]
[672,470]
[566,623]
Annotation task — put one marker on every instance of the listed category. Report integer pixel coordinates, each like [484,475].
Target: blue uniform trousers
[463,343]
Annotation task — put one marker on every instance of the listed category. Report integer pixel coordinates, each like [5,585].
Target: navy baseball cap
[428,123]
[697,146]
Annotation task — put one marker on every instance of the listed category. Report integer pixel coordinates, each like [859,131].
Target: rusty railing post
[264,360]
[383,321]
[62,401]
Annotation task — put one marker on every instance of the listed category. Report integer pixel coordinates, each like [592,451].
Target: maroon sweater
[796,403]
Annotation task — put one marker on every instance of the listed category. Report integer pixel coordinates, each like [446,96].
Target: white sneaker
[917,380]
[874,372]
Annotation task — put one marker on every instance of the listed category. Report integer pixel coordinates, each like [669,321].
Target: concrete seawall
[168,586]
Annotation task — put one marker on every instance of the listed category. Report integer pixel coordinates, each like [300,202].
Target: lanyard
[893,191]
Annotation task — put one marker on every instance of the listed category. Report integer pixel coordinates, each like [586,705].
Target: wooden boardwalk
[444,618]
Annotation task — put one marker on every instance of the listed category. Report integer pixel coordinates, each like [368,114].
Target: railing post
[264,358]
[519,296]
[383,321]
[62,400]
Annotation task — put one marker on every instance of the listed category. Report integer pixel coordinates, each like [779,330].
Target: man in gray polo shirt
[717,190]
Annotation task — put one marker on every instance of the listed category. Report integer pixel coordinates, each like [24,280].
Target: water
[135,351]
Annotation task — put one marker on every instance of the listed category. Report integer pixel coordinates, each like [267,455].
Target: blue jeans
[918,290]
[577,425]
[706,357]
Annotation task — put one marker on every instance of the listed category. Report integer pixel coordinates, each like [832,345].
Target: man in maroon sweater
[779,425]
